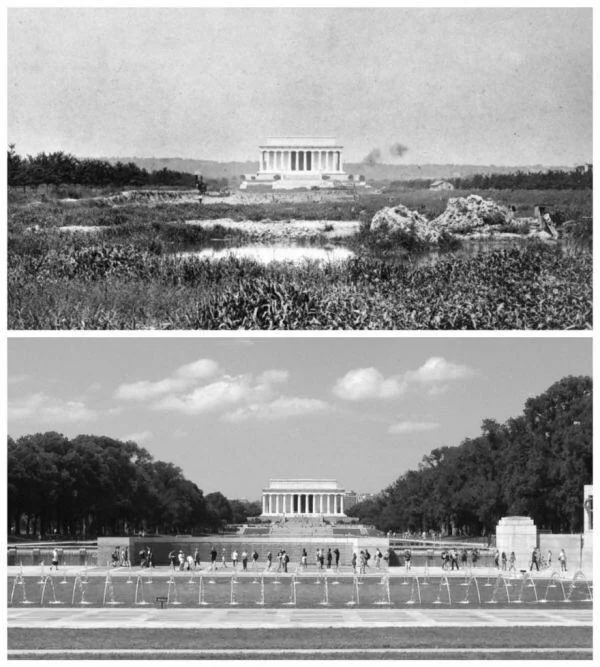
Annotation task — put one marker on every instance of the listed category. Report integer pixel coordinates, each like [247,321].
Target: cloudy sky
[484,86]
[234,412]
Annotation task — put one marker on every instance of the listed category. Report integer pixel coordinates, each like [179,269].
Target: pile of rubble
[467,214]
[400,219]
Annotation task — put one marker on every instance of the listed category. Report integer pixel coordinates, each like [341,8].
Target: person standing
[255,560]
[503,558]
[329,558]
[407,559]
[234,558]
[378,557]
[549,559]
[512,560]
[223,558]
[336,553]
[562,559]
[304,560]
[269,560]
[54,559]
[244,561]
[354,562]
[454,559]
[213,558]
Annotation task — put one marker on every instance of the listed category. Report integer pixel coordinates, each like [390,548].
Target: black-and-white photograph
[299,168]
[300,498]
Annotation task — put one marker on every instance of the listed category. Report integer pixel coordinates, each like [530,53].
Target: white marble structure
[300,155]
[588,508]
[518,534]
[299,162]
[303,497]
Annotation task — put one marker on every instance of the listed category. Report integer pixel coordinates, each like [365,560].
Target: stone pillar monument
[518,534]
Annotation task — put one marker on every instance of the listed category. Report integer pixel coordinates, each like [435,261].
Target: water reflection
[274,253]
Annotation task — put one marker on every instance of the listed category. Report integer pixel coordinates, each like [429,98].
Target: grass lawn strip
[321,638]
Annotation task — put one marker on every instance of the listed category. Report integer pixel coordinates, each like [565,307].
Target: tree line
[579,178]
[94,485]
[534,465]
[60,168]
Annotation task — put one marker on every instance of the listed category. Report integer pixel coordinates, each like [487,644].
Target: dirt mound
[465,214]
[400,219]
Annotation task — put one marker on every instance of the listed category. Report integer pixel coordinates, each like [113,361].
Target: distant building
[441,185]
[287,163]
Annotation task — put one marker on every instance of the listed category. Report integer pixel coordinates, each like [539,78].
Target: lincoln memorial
[303,497]
[299,162]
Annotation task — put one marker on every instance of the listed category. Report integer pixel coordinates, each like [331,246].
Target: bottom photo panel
[300,498]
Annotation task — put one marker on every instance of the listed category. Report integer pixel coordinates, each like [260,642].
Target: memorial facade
[303,497]
[299,162]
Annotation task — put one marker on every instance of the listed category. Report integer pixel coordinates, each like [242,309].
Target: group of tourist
[451,557]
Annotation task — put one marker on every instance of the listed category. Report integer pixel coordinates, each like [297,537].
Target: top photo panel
[299,169]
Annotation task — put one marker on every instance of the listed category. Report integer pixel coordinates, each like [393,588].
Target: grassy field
[128,276]
[472,643]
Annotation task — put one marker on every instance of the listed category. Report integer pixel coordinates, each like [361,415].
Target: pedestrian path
[294,618]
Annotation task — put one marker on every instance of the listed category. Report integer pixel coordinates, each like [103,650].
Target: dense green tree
[534,465]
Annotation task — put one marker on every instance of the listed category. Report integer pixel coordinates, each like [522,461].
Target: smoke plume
[372,158]
[398,150]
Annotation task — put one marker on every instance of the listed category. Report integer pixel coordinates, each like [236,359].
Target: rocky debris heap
[466,214]
[400,219]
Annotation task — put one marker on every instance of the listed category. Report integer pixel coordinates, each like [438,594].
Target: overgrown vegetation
[533,465]
[102,286]
[126,274]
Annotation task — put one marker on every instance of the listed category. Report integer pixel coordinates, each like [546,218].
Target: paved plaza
[294,618]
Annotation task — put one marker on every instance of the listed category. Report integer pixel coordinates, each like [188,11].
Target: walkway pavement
[294,618]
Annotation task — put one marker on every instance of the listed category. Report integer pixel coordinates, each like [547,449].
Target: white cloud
[412,427]
[141,436]
[223,393]
[40,407]
[363,383]
[203,386]
[143,390]
[280,408]
[198,370]
[437,369]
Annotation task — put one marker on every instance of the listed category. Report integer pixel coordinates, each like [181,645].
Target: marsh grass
[128,275]
[119,287]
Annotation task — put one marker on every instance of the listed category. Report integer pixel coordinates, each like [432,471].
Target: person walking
[196,558]
[549,559]
[407,559]
[454,559]
[512,562]
[336,553]
[244,561]
[234,558]
[534,560]
[304,560]
[213,558]
[378,557]
[223,559]
[329,558]
[54,560]
[503,559]
[354,562]
[269,560]
[255,560]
